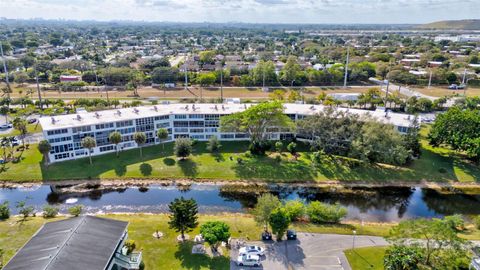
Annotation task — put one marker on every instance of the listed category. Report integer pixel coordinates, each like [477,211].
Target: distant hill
[454,25]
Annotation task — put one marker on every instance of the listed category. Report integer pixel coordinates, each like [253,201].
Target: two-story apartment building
[195,121]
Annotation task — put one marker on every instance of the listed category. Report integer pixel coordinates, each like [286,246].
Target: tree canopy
[183,215]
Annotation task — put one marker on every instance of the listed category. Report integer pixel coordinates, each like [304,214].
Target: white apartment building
[195,121]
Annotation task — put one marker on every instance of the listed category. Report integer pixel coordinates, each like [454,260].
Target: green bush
[183,147]
[292,148]
[476,220]
[279,146]
[325,213]
[455,222]
[75,210]
[295,209]
[130,244]
[278,158]
[213,144]
[50,211]
[4,210]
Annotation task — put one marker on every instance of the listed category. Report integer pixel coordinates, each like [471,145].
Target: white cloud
[261,11]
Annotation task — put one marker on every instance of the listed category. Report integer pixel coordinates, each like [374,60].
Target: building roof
[107,116]
[75,244]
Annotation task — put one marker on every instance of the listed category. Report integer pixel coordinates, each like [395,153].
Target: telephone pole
[221,82]
[38,87]
[7,79]
[430,79]
[346,69]
[186,74]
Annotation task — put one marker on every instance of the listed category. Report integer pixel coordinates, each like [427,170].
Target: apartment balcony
[130,262]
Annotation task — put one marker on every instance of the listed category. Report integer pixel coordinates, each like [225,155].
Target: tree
[20,124]
[89,143]
[325,213]
[402,258]
[264,208]
[162,135]
[459,129]
[44,147]
[4,210]
[49,211]
[140,138]
[437,242]
[5,110]
[24,209]
[115,137]
[213,144]
[183,215]
[164,75]
[256,119]
[295,209]
[207,57]
[279,146]
[206,79]
[279,221]
[264,71]
[214,232]
[136,79]
[182,147]
[292,148]
[75,210]
[290,71]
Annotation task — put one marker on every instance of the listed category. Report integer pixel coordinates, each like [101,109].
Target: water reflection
[370,204]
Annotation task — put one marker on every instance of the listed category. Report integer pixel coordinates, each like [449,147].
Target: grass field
[438,91]
[366,258]
[31,128]
[435,165]
[166,251]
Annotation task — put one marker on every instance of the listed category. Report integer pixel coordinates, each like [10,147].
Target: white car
[252,250]
[248,260]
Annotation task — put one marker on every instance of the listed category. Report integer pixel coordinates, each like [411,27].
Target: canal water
[384,204]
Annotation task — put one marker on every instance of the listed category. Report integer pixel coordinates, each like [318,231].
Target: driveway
[310,251]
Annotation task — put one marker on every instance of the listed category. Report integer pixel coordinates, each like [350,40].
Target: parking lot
[309,251]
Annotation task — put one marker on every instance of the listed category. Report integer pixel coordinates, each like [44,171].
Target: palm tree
[89,143]
[20,124]
[115,138]
[162,135]
[44,147]
[5,110]
[140,138]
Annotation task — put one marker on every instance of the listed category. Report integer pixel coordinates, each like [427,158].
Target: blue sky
[251,11]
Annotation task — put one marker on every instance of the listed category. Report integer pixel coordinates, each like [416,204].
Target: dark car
[266,236]
[291,235]
[32,120]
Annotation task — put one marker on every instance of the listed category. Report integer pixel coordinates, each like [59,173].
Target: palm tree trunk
[116,149]
[141,153]
[90,156]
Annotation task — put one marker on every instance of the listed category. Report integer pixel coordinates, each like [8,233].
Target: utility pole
[38,86]
[346,69]
[386,94]
[186,74]
[7,79]
[464,75]
[221,82]
[430,79]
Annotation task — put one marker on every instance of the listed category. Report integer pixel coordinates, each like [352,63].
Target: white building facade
[195,121]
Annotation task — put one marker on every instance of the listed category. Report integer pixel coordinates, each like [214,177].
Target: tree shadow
[120,169]
[189,168]
[218,157]
[198,261]
[146,169]
[169,161]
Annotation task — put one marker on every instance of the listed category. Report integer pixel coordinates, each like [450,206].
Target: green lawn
[166,251]
[366,258]
[31,128]
[435,165]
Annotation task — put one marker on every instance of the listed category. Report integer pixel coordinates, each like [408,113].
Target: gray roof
[74,244]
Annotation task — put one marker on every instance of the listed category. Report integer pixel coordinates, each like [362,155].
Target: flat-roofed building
[195,121]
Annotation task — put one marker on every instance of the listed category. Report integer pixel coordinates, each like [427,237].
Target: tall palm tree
[20,124]
[140,138]
[115,138]
[89,143]
[162,134]
[5,110]
[44,147]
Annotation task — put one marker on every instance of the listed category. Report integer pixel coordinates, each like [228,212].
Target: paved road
[310,251]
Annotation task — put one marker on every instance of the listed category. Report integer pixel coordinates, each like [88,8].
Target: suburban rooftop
[107,116]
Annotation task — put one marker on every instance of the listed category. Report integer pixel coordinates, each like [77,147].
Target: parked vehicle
[453,87]
[255,250]
[32,120]
[16,142]
[248,260]
[266,236]
[291,235]
[6,126]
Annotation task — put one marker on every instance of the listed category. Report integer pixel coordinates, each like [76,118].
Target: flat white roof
[115,115]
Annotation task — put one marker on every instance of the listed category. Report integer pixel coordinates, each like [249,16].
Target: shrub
[279,146]
[292,148]
[278,158]
[213,144]
[4,210]
[24,209]
[318,157]
[295,209]
[248,154]
[130,244]
[183,147]
[279,221]
[325,213]
[50,211]
[455,222]
[259,148]
[75,210]
[476,220]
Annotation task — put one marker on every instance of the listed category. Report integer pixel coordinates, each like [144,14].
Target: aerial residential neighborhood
[250,134]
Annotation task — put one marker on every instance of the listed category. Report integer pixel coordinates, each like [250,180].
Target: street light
[353,243]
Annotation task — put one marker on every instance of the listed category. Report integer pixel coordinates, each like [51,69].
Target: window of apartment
[180,116]
[126,130]
[124,123]
[227,136]
[60,139]
[180,124]
[62,156]
[81,129]
[196,123]
[211,130]
[196,130]
[104,126]
[177,130]
[162,117]
[241,135]
[107,148]
[402,129]
[212,117]
[197,137]
[195,116]
[61,148]
[57,131]
[163,125]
